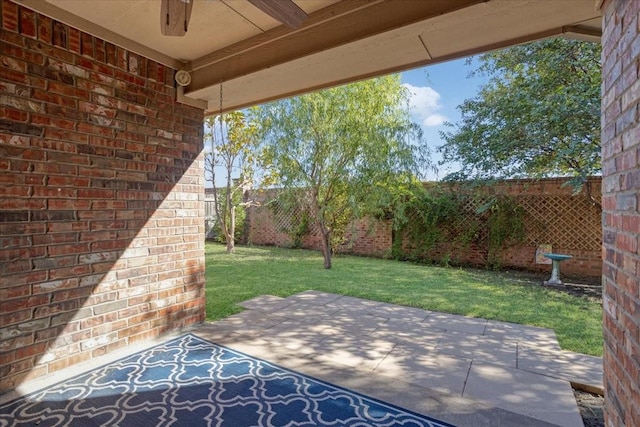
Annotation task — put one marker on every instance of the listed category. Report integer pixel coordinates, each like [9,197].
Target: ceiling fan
[175,14]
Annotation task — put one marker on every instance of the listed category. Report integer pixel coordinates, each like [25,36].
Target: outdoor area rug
[191,382]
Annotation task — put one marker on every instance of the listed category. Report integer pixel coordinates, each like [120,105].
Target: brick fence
[101,189]
[571,224]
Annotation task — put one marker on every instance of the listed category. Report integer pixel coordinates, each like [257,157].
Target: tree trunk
[231,245]
[324,230]
[231,232]
[326,248]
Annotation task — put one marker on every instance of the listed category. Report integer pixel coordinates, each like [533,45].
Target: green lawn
[254,271]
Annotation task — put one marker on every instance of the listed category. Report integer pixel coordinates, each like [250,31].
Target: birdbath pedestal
[556,259]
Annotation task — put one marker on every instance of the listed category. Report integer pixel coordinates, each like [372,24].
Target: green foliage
[426,222]
[300,229]
[442,218]
[539,114]
[346,147]
[504,220]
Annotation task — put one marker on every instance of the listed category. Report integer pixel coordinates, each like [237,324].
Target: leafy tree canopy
[348,147]
[538,115]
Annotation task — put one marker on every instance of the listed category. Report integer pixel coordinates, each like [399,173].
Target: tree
[338,151]
[232,146]
[538,115]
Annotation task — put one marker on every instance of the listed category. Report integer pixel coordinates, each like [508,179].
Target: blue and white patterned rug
[192,382]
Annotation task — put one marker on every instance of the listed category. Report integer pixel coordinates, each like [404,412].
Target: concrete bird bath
[556,259]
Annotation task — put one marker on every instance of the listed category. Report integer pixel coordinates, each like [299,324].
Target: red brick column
[621,217]
[101,198]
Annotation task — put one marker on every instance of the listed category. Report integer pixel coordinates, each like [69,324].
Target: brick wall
[363,237]
[621,217]
[571,224]
[101,188]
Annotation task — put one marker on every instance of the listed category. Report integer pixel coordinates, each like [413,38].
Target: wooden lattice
[569,222]
[564,221]
[287,220]
[468,216]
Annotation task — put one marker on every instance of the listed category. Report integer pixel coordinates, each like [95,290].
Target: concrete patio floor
[465,371]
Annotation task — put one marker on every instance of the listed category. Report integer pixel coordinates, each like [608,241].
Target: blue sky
[436,91]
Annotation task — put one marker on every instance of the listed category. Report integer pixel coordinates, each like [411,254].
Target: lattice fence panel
[465,221]
[287,220]
[564,221]
[570,222]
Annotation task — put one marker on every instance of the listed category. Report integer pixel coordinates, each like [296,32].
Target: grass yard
[254,271]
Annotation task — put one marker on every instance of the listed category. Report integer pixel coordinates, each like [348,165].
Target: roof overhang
[256,59]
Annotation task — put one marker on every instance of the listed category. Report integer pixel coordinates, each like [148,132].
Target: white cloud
[434,120]
[424,103]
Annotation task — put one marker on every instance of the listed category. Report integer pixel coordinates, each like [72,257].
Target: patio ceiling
[259,60]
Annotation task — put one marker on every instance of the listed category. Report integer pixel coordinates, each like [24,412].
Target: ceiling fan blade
[174,17]
[285,11]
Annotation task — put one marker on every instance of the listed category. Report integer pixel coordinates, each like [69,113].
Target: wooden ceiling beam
[285,11]
[335,11]
[334,26]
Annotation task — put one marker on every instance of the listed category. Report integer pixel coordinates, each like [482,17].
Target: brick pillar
[621,217]
[101,198]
